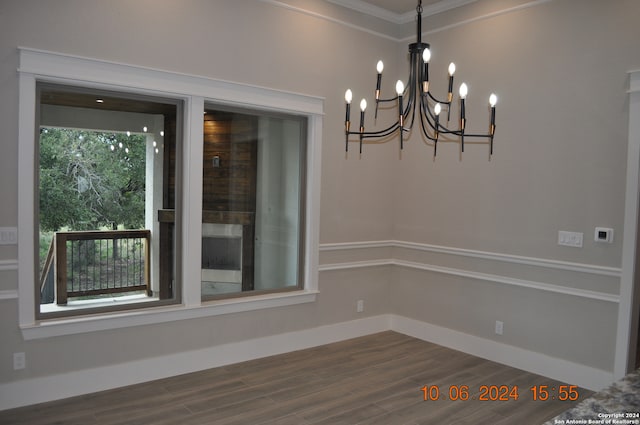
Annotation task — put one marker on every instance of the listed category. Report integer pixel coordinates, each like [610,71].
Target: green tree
[91,179]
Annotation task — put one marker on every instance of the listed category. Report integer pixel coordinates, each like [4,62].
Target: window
[252,193]
[106,168]
[68,97]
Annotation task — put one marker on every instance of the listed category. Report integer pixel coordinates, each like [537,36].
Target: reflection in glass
[253,172]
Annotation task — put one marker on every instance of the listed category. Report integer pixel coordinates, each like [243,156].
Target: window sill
[130,318]
[96,303]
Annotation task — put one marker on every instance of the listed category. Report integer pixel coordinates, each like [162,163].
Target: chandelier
[417,95]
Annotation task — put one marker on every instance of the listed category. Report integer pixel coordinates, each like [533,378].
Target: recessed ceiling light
[99,100]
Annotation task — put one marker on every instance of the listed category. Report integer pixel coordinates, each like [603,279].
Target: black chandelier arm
[380,133]
[375,134]
[426,112]
[445,130]
[441,102]
[432,121]
[425,131]
[391,99]
[478,136]
[369,135]
[442,129]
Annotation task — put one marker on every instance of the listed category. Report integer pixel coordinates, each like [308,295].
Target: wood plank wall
[231,186]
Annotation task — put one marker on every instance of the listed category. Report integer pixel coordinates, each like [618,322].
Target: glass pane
[106,177]
[252,197]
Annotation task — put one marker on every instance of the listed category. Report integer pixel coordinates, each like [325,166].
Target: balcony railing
[96,263]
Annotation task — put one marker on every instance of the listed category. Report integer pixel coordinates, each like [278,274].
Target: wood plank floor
[376,379]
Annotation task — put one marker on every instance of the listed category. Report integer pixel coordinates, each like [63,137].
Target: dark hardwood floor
[376,379]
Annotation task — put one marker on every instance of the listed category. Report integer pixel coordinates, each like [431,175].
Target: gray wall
[559,69]
[243,41]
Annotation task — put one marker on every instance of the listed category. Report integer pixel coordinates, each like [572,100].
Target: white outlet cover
[19,361]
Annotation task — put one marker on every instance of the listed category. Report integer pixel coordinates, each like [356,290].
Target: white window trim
[38,65]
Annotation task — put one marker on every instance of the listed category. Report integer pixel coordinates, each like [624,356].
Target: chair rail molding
[7,265]
[612,273]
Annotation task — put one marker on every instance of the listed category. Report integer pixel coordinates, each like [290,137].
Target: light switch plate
[573,239]
[8,235]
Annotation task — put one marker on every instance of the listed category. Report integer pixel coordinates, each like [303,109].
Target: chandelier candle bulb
[493,99]
[463,91]
[436,110]
[452,70]
[426,57]
[400,90]
[348,96]
[463,94]
[379,68]
[363,106]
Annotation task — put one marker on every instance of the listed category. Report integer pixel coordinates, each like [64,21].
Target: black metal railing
[96,263]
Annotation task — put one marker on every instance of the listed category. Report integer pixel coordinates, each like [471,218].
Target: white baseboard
[541,364]
[38,390]
[48,388]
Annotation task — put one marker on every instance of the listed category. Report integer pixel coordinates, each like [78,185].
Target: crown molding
[434,9]
[370,9]
[307,12]
[400,18]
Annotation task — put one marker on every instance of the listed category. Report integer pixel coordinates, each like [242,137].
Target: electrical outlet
[8,236]
[19,361]
[360,306]
[499,326]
